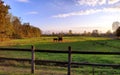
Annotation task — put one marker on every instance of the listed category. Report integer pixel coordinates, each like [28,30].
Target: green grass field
[78,43]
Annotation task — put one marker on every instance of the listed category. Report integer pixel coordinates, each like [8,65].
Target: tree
[95,32]
[11,26]
[88,34]
[5,24]
[115,26]
[109,33]
[70,32]
[118,32]
[30,31]
[84,33]
[17,27]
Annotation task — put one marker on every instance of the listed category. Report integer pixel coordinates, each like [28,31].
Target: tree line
[12,27]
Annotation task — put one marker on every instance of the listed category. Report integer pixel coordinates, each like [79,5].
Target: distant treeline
[12,27]
[94,33]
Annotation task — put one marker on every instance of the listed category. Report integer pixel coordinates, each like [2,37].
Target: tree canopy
[11,26]
[115,25]
[118,32]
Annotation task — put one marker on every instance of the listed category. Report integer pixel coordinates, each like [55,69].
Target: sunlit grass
[77,44]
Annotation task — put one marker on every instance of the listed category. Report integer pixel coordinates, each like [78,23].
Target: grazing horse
[60,39]
[55,39]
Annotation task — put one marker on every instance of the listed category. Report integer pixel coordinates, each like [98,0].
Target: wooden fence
[69,52]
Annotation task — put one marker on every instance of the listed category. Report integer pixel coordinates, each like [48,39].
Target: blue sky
[65,15]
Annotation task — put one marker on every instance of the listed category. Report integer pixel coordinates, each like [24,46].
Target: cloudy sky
[64,15]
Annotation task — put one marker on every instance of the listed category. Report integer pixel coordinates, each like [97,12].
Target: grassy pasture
[77,43]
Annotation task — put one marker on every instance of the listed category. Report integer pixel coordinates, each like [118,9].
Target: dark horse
[59,39]
[55,39]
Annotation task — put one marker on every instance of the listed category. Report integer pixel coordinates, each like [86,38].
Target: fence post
[69,60]
[32,60]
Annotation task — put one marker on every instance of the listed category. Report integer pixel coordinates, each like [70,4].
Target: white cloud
[113,1]
[95,2]
[101,2]
[33,12]
[23,1]
[113,9]
[88,12]
[87,2]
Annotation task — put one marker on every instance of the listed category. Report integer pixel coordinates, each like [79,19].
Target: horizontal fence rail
[15,49]
[60,62]
[15,59]
[60,51]
[69,62]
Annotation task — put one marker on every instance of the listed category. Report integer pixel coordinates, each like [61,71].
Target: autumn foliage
[11,26]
